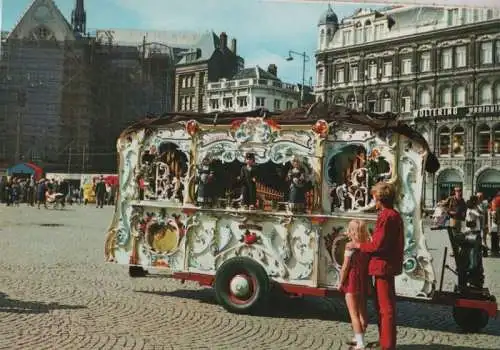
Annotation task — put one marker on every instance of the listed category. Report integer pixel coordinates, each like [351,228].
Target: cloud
[265,30]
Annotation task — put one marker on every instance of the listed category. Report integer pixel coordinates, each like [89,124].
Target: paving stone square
[56,292]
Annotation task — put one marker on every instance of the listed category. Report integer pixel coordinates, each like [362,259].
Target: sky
[265,30]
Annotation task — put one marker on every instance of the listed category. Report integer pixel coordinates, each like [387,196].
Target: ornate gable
[42,21]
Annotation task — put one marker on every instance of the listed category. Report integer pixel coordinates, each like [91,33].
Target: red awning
[38,171]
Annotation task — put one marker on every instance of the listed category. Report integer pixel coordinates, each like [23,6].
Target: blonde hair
[359,230]
[385,193]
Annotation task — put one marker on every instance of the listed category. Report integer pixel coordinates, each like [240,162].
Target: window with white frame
[405,104]
[242,101]
[458,141]
[186,103]
[260,101]
[353,73]
[460,96]
[387,103]
[227,102]
[425,98]
[379,31]
[359,35]
[320,77]
[497,52]
[214,103]
[425,62]
[351,103]
[181,103]
[460,56]
[369,32]
[446,97]
[183,81]
[347,37]
[485,95]
[277,105]
[372,104]
[191,103]
[339,75]
[486,56]
[372,70]
[497,93]
[453,17]
[387,68]
[289,105]
[406,66]
[446,58]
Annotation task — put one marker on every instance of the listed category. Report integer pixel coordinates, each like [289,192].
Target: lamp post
[305,59]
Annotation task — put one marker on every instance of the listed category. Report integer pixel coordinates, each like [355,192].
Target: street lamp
[305,59]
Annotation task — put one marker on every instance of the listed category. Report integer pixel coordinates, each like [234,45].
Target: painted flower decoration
[235,124]
[192,127]
[273,124]
[321,128]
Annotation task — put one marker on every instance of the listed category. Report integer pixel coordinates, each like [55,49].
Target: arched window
[405,101]
[446,97]
[444,141]
[458,141]
[339,100]
[485,97]
[460,96]
[320,77]
[484,139]
[425,98]
[386,102]
[351,102]
[371,102]
[496,139]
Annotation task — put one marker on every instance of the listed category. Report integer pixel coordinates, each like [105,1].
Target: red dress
[357,281]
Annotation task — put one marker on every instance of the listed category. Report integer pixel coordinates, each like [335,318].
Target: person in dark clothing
[40,193]
[457,210]
[248,178]
[100,192]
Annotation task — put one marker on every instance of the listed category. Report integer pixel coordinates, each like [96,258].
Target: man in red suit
[386,250]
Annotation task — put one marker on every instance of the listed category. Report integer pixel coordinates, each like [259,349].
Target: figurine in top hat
[297,178]
[205,179]
[248,180]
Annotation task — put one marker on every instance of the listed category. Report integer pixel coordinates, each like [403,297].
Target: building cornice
[452,31]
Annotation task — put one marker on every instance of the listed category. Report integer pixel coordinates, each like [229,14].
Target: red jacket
[387,245]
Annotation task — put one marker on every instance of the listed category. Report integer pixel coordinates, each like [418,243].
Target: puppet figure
[205,181]
[297,178]
[248,180]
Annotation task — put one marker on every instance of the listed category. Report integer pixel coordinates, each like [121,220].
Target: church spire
[79,18]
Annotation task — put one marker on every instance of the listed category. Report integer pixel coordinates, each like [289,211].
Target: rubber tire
[136,271]
[470,320]
[249,267]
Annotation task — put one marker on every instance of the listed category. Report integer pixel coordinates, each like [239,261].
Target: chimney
[223,40]
[273,69]
[233,45]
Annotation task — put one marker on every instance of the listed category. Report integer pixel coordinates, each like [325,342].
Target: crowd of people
[44,192]
[477,214]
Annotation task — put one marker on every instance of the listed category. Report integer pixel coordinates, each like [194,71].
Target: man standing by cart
[457,210]
[386,261]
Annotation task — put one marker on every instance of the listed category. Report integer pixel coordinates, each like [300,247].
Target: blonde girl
[355,281]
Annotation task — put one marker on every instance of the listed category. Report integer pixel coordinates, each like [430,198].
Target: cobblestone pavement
[56,293]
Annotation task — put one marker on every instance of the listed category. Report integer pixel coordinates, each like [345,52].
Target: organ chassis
[241,253]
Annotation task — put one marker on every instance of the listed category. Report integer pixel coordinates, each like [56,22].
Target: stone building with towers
[438,68]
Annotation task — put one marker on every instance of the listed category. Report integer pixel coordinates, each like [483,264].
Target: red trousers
[385,302]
